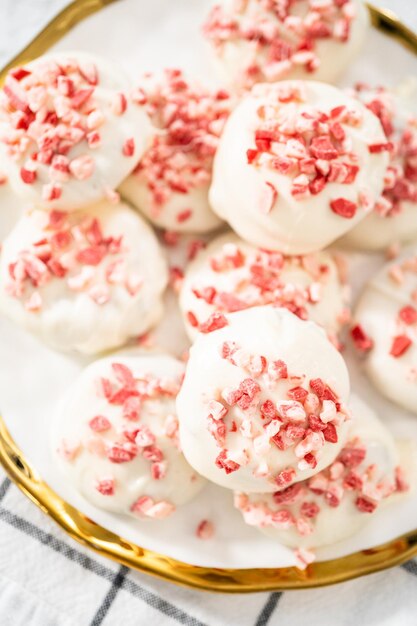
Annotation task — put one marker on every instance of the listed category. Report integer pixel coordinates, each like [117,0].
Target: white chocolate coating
[236,398]
[262,40]
[268,194]
[132,455]
[106,283]
[387,314]
[11,208]
[170,184]
[72,112]
[394,218]
[231,275]
[331,506]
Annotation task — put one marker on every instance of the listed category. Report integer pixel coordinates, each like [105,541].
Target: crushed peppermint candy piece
[205,530]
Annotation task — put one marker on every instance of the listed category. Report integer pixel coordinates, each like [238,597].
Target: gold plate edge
[107,543]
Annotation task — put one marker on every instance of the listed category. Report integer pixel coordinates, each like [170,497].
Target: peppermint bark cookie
[298,165]
[268,40]
[231,275]
[341,499]
[170,184]
[86,280]
[385,330]
[70,130]
[394,217]
[262,405]
[117,437]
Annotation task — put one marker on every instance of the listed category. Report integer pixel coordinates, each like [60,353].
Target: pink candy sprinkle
[400,345]
[99,424]
[408,314]
[222,462]
[106,487]
[361,340]
[205,530]
[28,176]
[128,149]
[268,198]
[122,453]
[82,167]
[344,208]
[286,477]
[214,322]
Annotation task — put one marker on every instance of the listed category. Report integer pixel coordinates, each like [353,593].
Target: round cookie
[394,218]
[262,405]
[85,281]
[170,184]
[267,40]
[342,498]
[71,131]
[231,275]
[117,437]
[298,165]
[385,330]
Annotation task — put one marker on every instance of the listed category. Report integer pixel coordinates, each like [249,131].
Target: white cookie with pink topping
[394,218]
[269,40]
[298,165]
[231,275]
[262,405]
[85,281]
[385,330]
[337,502]
[116,436]
[171,182]
[71,131]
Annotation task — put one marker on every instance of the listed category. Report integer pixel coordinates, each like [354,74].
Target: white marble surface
[20,20]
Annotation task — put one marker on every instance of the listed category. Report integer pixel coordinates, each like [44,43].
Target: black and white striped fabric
[46,579]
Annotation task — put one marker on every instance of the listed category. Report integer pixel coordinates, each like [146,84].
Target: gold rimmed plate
[15,447]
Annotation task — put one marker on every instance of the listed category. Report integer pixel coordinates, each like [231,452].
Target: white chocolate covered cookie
[394,217]
[385,330]
[170,184]
[85,281]
[71,131]
[298,165]
[117,436]
[343,497]
[268,40]
[262,405]
[231,275]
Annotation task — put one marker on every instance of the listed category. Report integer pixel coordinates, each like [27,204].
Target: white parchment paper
[142,36]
